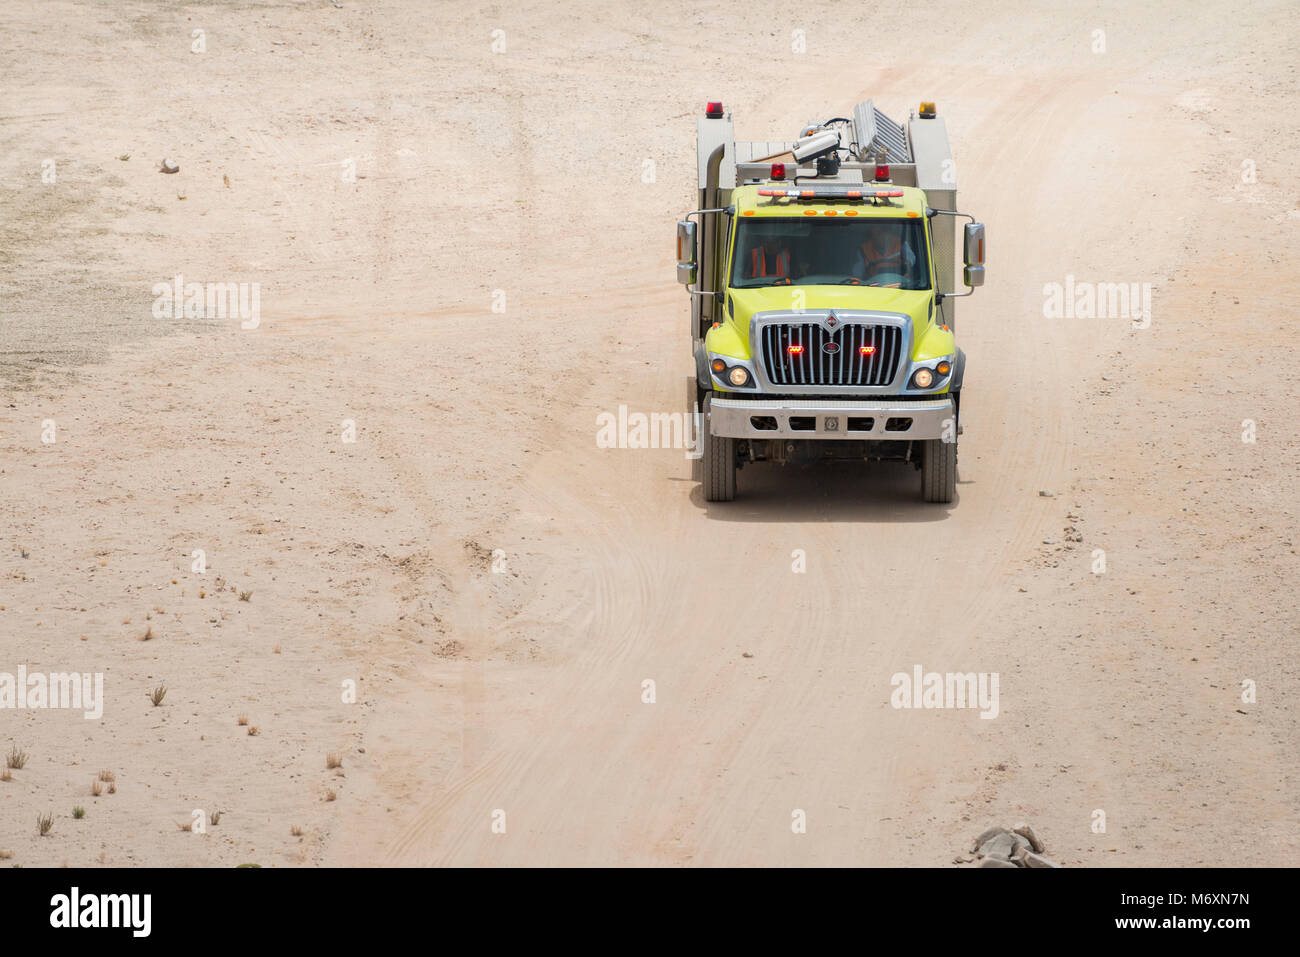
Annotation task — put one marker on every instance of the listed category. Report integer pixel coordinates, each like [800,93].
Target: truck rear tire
[718,464]
[938,471]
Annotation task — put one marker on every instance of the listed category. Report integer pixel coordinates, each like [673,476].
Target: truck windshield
[803,252]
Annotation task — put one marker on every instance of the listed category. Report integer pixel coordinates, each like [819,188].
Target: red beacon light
[882,173]
[713,109]
[795,350]
[867,350]
[778,171]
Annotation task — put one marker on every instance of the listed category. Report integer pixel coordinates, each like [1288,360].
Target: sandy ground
[496,585]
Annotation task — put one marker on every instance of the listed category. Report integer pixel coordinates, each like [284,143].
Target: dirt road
[500,588]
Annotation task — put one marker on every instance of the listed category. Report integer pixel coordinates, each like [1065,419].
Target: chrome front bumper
[863,419]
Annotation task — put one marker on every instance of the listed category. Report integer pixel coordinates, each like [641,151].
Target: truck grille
[846,364]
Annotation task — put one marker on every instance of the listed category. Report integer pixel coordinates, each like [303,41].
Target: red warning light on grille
[867,350]
[794,350]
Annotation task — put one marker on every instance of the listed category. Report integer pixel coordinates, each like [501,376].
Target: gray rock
[1030,859]
[987,836]
[996,862]
[1000,846]
[1027,832]
[1045,493]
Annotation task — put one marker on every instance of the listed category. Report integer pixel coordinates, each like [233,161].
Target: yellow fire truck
[820,274]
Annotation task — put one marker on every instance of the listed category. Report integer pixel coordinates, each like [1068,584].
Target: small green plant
[78,812]
[43,823]
[16,758]
[245,595]
[215,819]
[333,760]
[157,695]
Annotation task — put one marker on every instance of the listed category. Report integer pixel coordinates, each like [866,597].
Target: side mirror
[686,252]
[974,249]
[973,255]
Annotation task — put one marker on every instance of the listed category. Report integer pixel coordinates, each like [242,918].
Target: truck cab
[822,305]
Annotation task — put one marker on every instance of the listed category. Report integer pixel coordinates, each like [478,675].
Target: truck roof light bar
[831,192]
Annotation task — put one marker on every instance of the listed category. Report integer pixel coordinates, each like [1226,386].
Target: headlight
[923,379]
[739,375]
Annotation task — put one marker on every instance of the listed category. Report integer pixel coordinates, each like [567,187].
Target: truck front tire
[718,464]
[938,470]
